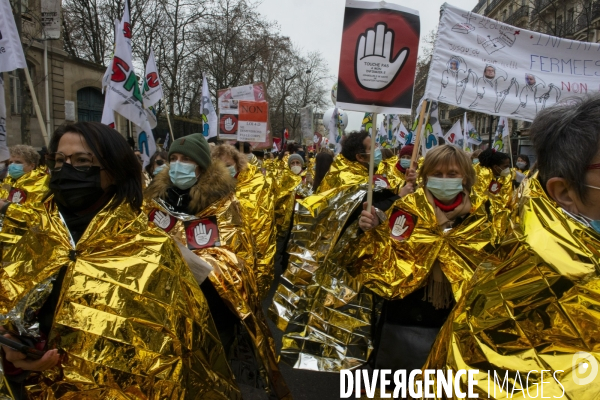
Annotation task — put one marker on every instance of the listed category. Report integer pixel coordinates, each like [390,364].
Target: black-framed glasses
[159,162]
[79,161]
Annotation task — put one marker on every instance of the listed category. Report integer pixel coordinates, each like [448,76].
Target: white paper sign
[484,65]
[245,92]
[51,19]
[70,110]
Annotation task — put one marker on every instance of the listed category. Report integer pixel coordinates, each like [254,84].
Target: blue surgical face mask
[15,171]
[183,175]
[444,189]
[405,163]
[232,171]
[475,161]
[377,157]
[158,169]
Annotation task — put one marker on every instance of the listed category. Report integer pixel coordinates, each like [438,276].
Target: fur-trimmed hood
[213,184]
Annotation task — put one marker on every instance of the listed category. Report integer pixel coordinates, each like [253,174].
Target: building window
[15,91]
[510,10]
[523,3]
[504,15]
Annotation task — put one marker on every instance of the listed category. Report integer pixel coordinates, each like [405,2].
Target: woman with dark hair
[523,163]
[157,163]
[88,283]
[322,164]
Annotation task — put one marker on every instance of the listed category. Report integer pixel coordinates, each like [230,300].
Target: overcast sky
[316,25]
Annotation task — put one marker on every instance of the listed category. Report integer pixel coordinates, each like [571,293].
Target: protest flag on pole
[123,92]
[12,56]
[152,90]
[455,135]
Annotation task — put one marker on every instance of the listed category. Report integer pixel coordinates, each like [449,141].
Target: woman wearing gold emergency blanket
[534,307]
[27,181]
[108,298]
[194,201]
[418,258]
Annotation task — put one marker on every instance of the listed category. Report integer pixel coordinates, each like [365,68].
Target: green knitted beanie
[195,147]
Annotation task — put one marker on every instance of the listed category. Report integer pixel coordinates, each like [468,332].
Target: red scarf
[449,207]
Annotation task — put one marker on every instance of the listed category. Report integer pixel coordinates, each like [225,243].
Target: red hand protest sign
[378,59]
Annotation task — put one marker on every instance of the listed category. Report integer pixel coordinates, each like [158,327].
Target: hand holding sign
[229,124]
[375,66]
[400,226]
[202,237]
[162,220]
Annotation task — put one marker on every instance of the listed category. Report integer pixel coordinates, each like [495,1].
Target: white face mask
[296,169]
[505,172]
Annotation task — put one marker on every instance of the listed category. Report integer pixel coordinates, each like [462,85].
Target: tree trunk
[26,109]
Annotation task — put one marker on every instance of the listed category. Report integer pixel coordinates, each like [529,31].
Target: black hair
[292,147]
[490,158]
[323,162]
[352,144]
[566,138]
[525,158]
[160,153]
[245,145]
[115,156]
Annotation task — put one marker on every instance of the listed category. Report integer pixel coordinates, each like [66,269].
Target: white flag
[123,92]
[209,115]
[11,51]
[146,143]
[455,135]
[108,115]
[4,155]
[335,136]
[401,134]
[152,90]
[502,132]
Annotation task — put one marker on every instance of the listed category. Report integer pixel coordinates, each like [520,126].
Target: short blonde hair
[241,162]
[447,155]
[29,154]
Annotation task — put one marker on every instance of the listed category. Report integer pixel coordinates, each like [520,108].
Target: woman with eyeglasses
[108,300]
[26,181]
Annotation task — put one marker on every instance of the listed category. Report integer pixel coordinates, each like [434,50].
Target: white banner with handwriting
[487,66]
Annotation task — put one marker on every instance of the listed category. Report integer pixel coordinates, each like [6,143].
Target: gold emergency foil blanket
[318,223]
[331,330]
[233,279]
[32,187]
[533,309]
[499,191]
[395,177]
[344,172]
[131,321]
[288,182]
[255,193]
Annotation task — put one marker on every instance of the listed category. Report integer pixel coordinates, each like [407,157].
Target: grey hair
[566,138]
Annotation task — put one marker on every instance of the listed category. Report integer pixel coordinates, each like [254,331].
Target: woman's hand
[411,176]
[20,360]
[368,220]
[407,189]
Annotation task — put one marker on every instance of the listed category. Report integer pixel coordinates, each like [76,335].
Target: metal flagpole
[372,164]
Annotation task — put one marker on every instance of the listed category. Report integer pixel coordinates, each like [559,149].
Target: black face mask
[76,190]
